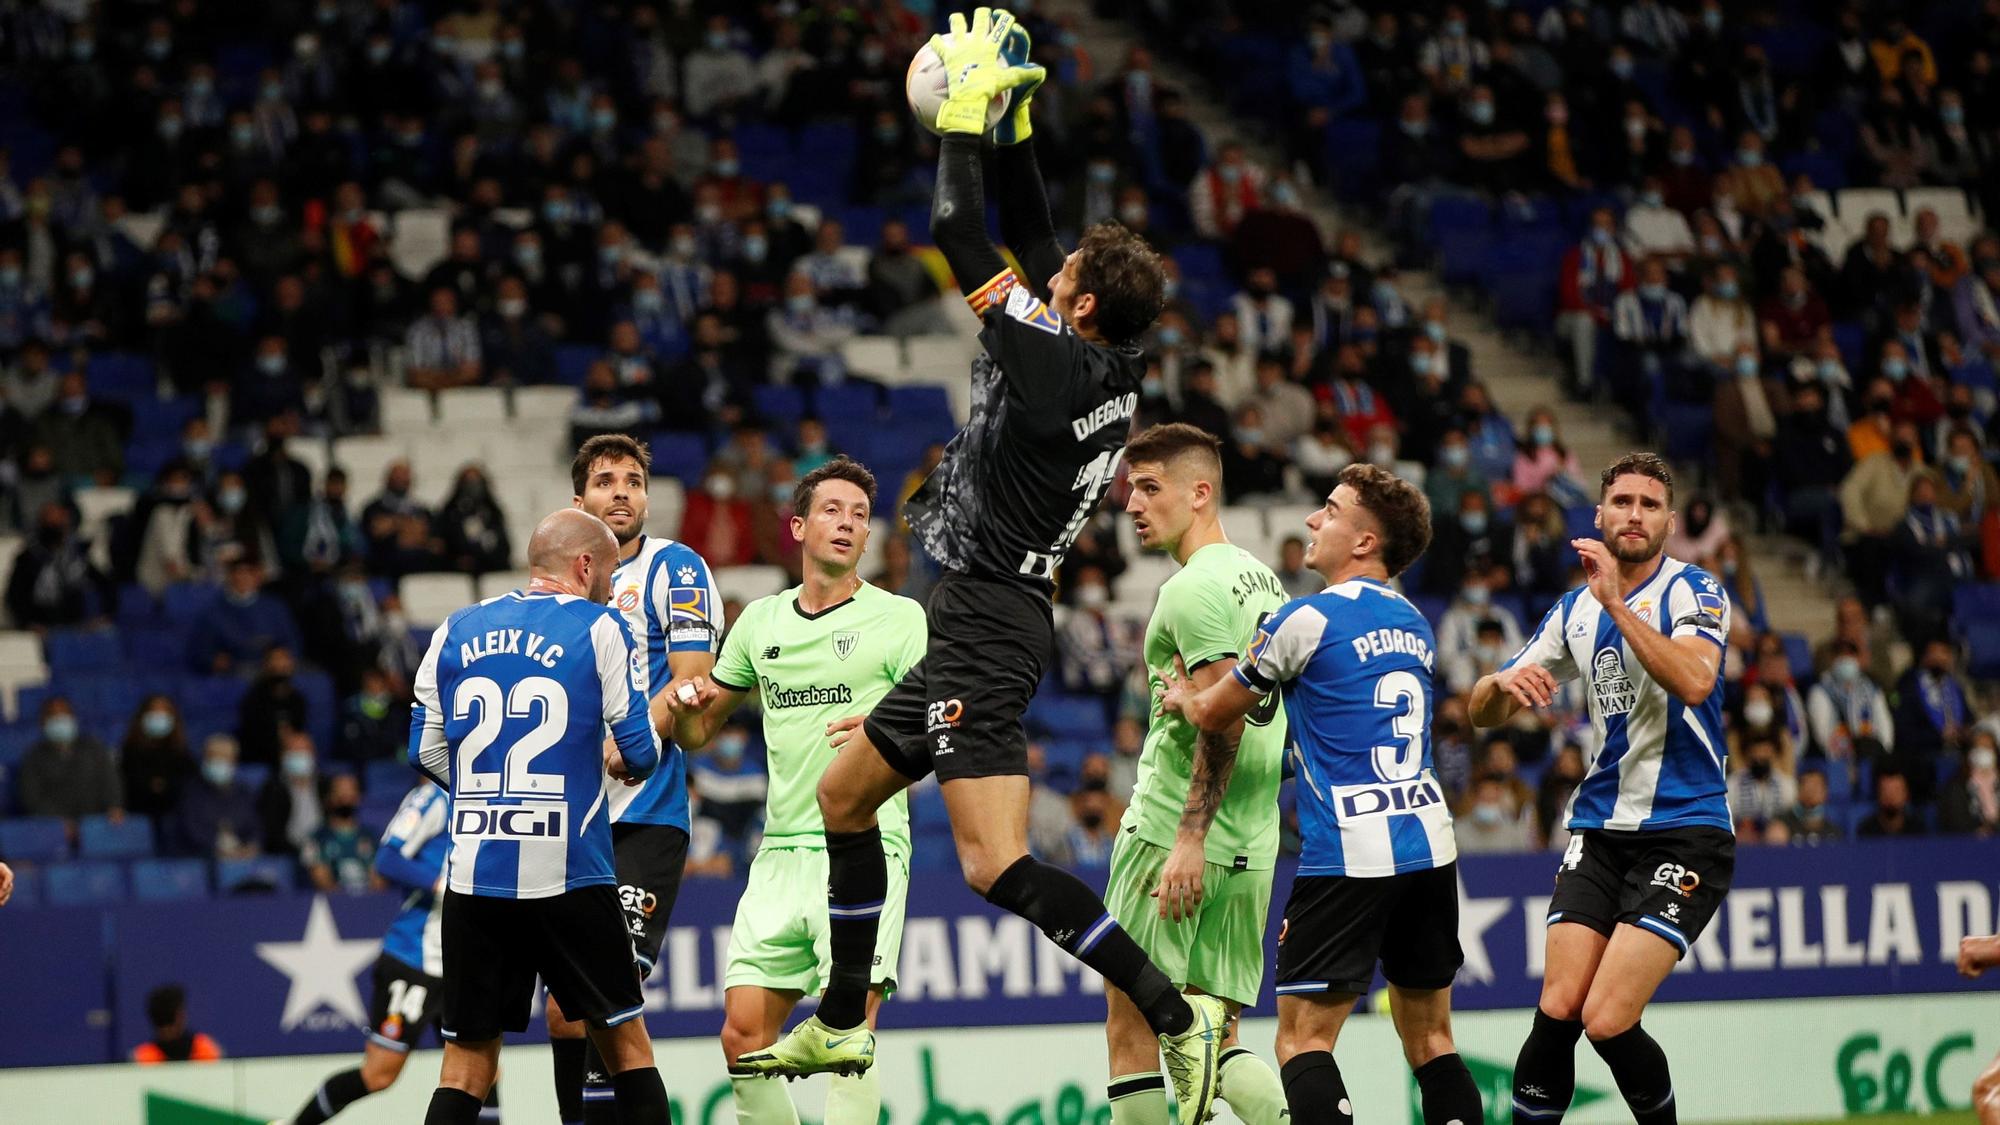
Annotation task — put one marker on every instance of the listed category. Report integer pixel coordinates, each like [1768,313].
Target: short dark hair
[1638,463]
[1117,267]
[165,1004]
[840,468]
[1162,443]
[606,447]
[1398,506]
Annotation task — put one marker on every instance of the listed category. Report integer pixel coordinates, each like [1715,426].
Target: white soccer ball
[925,87]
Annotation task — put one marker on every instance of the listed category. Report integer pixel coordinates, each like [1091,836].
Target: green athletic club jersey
[1208,612]
[811,670]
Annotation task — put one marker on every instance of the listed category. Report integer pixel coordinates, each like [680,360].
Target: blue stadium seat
[779,405]
[927,808]
[388,778]
[185,602]
[71,651]
[169,880]
[322,706]
[1798,653]
[123,375]
[1690,430]
[680,455]
[1067,716]
[84,883]
[33,838]
[253,876]
[848,402]
[252,775]
[27,888]
[920,403]
[573,362]
[130,838]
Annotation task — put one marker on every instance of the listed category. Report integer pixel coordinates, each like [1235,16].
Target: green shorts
[780,939]
[1221,949]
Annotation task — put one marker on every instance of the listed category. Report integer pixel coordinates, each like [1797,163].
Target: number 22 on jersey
[515,777]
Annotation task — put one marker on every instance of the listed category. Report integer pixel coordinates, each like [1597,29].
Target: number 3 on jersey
[514,778]
[1402,760]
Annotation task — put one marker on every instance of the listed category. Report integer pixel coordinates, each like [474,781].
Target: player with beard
[1652,847]
[669,602]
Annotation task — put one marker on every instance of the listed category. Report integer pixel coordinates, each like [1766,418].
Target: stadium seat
[679,455]
[21,666]
[499,582]
[262,875]
[404,409]
[34,838]
[472,406]
[573,362]
[27,888]
[129,838]
[543,404]
[388,778]
[84,883]
[880,357]
[169,880]
[421,238]
[1857,204]
[430,598]
[747,583]
[1054,715]
[1954,211]
[83,651]
[779,405]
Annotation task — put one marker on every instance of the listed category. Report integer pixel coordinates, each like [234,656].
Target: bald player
[513,699]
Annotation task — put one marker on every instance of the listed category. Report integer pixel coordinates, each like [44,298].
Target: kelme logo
[1496,1092]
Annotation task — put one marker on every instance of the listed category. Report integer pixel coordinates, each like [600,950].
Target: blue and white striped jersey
[1659,763]
[513,701]
[1355,663]
[412,856]
[670,603]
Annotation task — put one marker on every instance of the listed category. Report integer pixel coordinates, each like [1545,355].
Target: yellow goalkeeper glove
[974,70]
[1016,51]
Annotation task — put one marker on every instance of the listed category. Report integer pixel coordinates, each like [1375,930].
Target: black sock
[452,1107]
[490,1111]
[1449,1092]
[600,1100]
[333,1095]
[1314,1091]
[1070,913]
[1640,1067]
[857,883]
[1545,1071]
[569,1078]
[642,1097]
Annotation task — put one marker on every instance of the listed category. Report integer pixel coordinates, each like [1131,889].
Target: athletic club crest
[844,642]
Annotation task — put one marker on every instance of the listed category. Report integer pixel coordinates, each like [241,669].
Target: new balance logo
[771,653]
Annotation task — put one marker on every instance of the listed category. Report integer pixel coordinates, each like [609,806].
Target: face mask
[1474,523]
[1454,29]
[1895,369]
[1757,714]
[271,364]
[1829,370]
[1746,366]
[1543,434]
[1414,128]
[1749,157]
[603,120]
[1981,758]
[722,488]
[231,500]
[730,747]
[1250,435]
[378,53]
[1621,68]
[1455,456]
[1711,19]
[1477,595]
[1480,112]
[556,211]
[755,248]
[1846,669]
[490,89]
[1170,337]
[60,729]
[513,308]
[82,50]
[799,304]
[1952,114]
[157,49]
[1152,387]
[718,40]
[1901,450]
[1320,40]
[726,167]
[528,256]
[219,772]
[298,766]
[682,246]
[81,278]
[10,276]
[156,724]
[1488,816]
[200,88]
[1092,596]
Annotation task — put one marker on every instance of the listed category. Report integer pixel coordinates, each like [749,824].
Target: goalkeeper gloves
[1016,50]
[974,71]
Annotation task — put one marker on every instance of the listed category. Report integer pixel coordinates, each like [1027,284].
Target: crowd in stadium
[197,226]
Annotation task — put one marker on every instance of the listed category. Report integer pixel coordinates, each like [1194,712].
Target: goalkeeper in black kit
[1053,392]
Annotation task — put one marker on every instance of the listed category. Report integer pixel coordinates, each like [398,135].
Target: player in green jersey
[816,654]
[1191,872]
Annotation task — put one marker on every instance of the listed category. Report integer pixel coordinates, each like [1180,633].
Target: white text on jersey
[1377,642]
[1106,413]
[497,641]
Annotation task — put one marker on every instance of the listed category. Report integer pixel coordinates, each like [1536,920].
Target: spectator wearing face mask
[1747,406]
[733,784]
[1324,82]
[1929,556]
[1895,813]
[717,524]
[1458,628]
[1542,552]
[1970,802]
[1098,650]
[474,528]
[1493,150]
[1806,823]
[1225,191]
[218,817]
[1933,715]
[54,583]
[1253,464]
[271,709]
[1552,794]
[1485,655]
[1486,824]
[1593,274]
[1454,474]
[1279,235]
[1465,542]
[1750,179]
[398,528]
[153,762]
[1969,488]
[289,803]
[1761,788]
[901,293]
[374,724]
[1874,502]
[1845,706]
[1319,457]
[719,76]
[514,340]
[1544,463]
[83,435]
[806,336]
[67,773]
[339,855]
[242,625]
[1720,325]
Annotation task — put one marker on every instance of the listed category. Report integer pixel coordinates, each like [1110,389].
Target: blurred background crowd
[301,304]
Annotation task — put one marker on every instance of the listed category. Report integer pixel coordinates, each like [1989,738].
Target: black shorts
[1668,883]
[648,859]
[406,1002]
[958,712]
[1336,927]
[494,948]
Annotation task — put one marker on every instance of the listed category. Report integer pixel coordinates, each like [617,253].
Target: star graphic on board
[322,966]
[1475,917]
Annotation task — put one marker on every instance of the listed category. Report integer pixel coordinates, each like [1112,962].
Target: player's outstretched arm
[1025,224]
[698,709]
[976,72]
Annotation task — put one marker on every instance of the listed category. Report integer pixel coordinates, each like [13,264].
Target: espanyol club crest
[1644,611]
[628,599]
[844,642]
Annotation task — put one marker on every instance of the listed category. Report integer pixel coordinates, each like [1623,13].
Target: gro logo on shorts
[1679,878]
[638,900]
[945,713]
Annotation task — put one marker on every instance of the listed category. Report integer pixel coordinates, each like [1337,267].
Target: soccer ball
[924,86]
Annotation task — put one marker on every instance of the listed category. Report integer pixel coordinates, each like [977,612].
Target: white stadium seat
[472,406]
[1954,211]
[21,665]
[880,357]
[404,410]
[366,459]
[421,238]
[535,405]
[314,454]
[500,582]
[748,583]
[666,502]
[1140,584]
[95,508]
[430,598]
